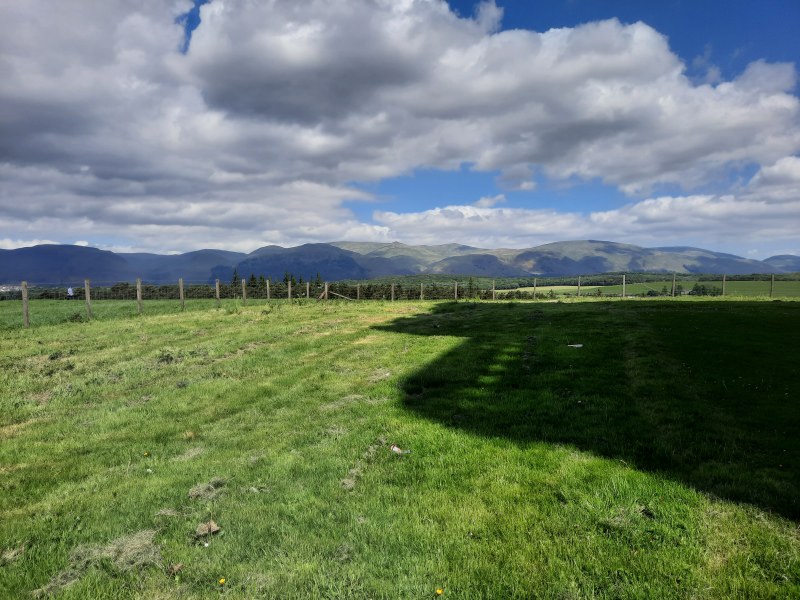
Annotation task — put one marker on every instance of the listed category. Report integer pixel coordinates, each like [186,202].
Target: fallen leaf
[209,528]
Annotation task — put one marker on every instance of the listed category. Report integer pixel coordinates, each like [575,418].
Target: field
[782,289]
[660,458]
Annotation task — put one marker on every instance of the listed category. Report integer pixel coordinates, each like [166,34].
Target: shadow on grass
[702,392]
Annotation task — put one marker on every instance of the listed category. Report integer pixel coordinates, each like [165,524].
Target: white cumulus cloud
[258,133]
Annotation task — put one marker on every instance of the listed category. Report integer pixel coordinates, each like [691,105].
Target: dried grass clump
[126,553]
[207,491]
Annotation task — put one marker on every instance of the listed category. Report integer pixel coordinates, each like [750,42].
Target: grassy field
[660,459]
[782,289]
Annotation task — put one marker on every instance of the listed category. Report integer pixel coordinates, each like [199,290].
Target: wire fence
[203,294]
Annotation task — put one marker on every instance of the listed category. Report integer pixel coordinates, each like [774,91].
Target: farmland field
[605,449]
[782,289]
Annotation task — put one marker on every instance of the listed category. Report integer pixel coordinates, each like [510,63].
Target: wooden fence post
[308,289]
[180,293]
[289,287]
[534,288]
[26,322]
[326,290]
[494,291]
[724,277]
[422,291]
[623,286]
[267,289]
[88,292]
[358,291]
[392,292]
[673,285]
[138,296]
[455,290]
[579,286]
[771,286]
[244,292]
[216,287]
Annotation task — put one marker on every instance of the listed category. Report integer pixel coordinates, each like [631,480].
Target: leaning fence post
[534,288]
[579,286]
[216,290]
[392,292]
[244,292]
[623,286]
[180,292]
[138,295]
[25,316]
[267,289]
[289,287]
[673,285]
[771,286]
[88,292]
[724,277]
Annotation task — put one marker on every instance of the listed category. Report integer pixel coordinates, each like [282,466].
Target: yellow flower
[147,454]
[439,591]
[222,581]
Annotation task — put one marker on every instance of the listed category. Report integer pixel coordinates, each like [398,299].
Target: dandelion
[439,591]
[146,454]
[222,581]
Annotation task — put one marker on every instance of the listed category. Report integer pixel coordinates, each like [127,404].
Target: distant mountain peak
[54,264]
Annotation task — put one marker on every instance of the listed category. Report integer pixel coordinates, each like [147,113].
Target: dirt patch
[335,431]
[342,402]
[379,375]
[139,401]
[9,431]
[240,351]
[127,553]
[350,482]
[9,555]
[167,356]
[207,491]
[208,528]
[41,398]
[189,454]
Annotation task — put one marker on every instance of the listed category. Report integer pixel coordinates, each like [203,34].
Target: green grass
[659,460]
[782,289]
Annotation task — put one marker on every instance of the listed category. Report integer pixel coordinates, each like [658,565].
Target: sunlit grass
[658,460]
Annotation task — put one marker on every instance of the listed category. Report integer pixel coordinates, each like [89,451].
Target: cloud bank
[257,134]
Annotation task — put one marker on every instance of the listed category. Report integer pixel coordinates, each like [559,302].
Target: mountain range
[51,264]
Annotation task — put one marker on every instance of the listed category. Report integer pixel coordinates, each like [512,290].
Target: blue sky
[502,123]
[727,35]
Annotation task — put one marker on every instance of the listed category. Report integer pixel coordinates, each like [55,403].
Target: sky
[173,125]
